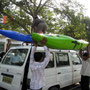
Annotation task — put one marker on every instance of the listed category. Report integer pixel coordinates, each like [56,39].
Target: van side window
[15,57]
[62,59]
[75,59]
[51,62]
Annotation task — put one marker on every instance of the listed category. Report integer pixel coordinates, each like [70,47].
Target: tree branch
[29,7]
[34,8]
[31,1]
[39,5]
[15,21]
[30,13]
[42,6]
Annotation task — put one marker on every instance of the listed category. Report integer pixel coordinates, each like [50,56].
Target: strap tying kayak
[76,43]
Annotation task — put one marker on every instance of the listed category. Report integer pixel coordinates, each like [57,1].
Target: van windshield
[15,57]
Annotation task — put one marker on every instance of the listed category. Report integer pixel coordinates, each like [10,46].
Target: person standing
[8,44]
[85,70]
[37,64]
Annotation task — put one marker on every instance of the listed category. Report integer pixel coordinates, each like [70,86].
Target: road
[72,88]
[76,87]
[67,88]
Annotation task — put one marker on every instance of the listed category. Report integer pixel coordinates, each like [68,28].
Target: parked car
[62,70]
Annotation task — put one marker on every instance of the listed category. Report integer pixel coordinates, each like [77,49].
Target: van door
[12,68]
[76,61]
[50,73]
[64,69]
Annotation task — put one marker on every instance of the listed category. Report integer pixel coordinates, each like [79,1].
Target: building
[3,42]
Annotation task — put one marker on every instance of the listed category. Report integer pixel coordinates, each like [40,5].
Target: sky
[86,3]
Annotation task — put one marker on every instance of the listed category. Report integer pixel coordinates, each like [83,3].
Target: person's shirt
[37,68]
[85,70]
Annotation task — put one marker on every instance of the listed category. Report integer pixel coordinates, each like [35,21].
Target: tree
[66,18]
[86,21]
[71,15]
[22,12]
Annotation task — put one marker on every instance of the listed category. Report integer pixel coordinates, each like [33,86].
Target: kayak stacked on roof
[56,41]
[16,36]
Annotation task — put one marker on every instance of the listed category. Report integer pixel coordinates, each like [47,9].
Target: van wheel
[54,88]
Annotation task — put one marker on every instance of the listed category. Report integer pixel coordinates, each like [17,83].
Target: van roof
[41,48]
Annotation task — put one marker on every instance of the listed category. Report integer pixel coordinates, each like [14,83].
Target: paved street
[77,87]
[74,87]
[68,88]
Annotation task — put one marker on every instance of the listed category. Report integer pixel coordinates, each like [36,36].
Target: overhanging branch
[30,13]
[39,5]
[39,9]
[15,21]
[29,8]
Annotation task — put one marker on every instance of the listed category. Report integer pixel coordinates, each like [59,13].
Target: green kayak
[56,41]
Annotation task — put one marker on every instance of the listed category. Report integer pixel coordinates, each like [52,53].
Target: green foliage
[66,18]
[71,14]
[86,21]
[21,13]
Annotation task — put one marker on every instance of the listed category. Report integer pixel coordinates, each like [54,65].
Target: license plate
[7,79]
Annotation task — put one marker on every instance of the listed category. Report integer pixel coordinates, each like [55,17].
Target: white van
[3,43]
[62,70]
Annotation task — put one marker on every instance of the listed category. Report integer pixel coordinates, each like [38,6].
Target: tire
[54,88]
